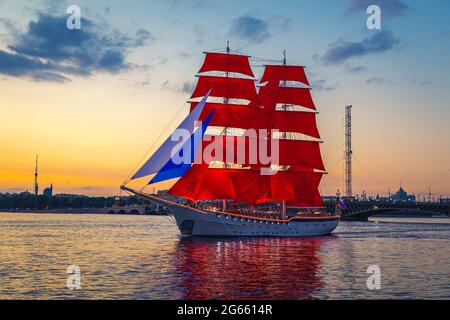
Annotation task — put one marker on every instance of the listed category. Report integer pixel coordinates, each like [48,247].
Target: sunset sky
[91,104]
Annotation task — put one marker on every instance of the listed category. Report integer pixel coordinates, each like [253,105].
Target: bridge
[141,210]
[362,210]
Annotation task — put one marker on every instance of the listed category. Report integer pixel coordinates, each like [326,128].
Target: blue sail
[172,170]
[163,154]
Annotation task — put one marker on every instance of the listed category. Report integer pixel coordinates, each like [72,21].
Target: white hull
[208,223]
[194,222]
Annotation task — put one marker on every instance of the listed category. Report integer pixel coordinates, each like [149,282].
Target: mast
[225,131]
[284,136]
[348,151]
[36,185]
[300,162]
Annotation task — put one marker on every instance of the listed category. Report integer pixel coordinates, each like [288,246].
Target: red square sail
[295,121]
[250,117]
[277,73]
[225,87]
[241,185]
[301,153]
[239,150]
[271,94]
[299,188]
[224,62]
[230,115]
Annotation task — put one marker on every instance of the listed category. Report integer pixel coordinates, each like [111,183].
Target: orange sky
[90,132]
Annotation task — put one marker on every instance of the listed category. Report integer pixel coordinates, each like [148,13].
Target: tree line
[30,201]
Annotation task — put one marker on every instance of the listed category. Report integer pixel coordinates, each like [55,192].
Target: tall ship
[247,157]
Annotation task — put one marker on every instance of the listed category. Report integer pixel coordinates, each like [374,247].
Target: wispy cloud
[49,51]
[355,69]
[422,83]
[251,29]
[322,85]
[343,50]
[378,80]
[256,30]
[389,8]
[185,87]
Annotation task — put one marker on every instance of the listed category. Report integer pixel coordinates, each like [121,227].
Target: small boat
[257,177]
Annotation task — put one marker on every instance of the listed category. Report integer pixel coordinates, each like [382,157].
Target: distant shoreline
[414,220]
[78,211]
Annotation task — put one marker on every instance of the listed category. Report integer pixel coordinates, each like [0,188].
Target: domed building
[402,196]
[48,192]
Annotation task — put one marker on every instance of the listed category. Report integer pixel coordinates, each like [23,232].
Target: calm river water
[142,257]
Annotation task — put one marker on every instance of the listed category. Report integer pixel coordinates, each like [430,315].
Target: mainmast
[300,164]
[284,136]
[36,185]
[225,131]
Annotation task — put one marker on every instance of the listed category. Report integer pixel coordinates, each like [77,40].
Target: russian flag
[341,205]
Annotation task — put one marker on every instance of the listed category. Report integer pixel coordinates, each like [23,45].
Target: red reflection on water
[263,268]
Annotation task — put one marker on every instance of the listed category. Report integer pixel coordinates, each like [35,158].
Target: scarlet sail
[244,150]
[253,117]
[246,185]
[300,160]
[273,94]
[231,115]
[284,73]
[225,87]
[226,63]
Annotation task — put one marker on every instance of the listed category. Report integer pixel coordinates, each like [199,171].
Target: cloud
[49,51]
[186,87]
[251,29]
[378,80]
[321,85]
[342,50]
[389,8]
[422,83]
[355,69]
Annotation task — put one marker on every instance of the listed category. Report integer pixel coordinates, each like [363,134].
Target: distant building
[402,196]
[48,192]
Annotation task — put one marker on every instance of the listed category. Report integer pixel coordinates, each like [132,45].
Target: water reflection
[134,257]
[270,268]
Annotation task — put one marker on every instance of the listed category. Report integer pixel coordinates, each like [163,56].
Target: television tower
[348,151]
[36,186]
